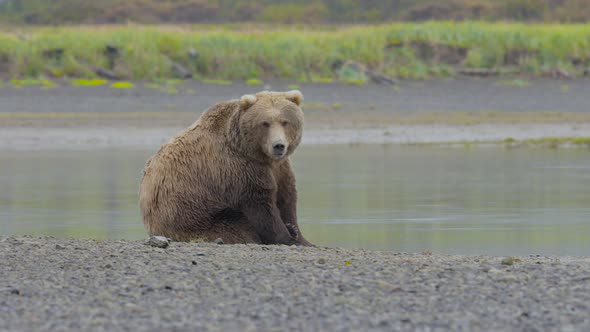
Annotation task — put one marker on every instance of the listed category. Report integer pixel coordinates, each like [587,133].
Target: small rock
[509,278]
[158,242]
[387,286]
[509,261]
[194,262]
[16,292]
[321,261]
[147,290]
[218,241]
[200,254]
[59,247]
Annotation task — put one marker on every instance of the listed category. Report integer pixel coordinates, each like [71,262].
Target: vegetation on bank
[298,53]
[288,12]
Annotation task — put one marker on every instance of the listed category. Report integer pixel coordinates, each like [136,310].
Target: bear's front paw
[292,230]
[286,239]
[303,242]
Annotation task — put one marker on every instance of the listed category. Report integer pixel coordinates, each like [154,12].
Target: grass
[254,81]
[511,143]
[122,85]
[405,50]
[472,118]
[89,82]
[553,142]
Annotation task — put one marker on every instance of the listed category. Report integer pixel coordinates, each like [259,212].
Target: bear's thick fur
[228,175]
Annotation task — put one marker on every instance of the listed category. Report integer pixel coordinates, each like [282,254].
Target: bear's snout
[278,149]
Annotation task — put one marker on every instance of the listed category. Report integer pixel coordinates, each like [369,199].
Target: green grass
[512,143]
[254,81]
[548,142]
[296,53]
[122,85]
[89,82]
[556,142]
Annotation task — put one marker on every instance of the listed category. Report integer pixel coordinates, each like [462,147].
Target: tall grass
[294,53]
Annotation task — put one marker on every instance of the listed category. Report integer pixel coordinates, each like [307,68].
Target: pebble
[509,261]
[158,242]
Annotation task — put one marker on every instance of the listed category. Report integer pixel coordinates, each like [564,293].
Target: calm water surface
[448,200]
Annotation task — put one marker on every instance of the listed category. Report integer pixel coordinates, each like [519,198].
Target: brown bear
[228,175]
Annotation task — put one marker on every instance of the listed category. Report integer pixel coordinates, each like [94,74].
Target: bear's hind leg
[239,233]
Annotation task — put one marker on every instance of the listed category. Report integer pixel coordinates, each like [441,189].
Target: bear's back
[216,119]
[183,166]
[203,138]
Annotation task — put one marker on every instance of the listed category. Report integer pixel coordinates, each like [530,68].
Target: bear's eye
[285,123]
[266,124]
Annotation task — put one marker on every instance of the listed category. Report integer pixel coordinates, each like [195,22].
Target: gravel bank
[436,111]
[58,284]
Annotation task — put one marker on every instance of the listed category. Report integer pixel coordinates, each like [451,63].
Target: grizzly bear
[228,175]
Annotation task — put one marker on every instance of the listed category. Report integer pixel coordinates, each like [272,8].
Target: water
[448,200]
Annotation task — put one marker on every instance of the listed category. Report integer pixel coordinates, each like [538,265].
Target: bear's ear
[246,101]
[294,96]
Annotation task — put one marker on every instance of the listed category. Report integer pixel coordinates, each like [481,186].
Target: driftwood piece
[561,74]
[380,78]
[179,69]
[360,70]
[104,73]
[101,72]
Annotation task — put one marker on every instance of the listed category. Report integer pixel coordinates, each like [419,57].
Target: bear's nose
[279,148]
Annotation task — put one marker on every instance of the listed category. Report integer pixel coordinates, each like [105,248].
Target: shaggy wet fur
[227,177]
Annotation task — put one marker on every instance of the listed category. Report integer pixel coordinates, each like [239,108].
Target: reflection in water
[486,200]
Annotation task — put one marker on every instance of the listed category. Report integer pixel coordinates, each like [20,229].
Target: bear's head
[268,126]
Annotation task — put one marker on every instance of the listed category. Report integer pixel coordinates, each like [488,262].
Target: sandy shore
[51,284]
[47,138]
[429,112]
